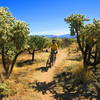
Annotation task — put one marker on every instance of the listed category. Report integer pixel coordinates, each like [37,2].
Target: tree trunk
[84,52]
[85,60]
[13,62]
[79,42]
[33,55]
[3,61]
[83,43]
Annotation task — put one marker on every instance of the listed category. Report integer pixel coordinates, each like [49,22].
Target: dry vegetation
[66,80]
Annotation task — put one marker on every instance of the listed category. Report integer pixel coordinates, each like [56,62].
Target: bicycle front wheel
[48,63]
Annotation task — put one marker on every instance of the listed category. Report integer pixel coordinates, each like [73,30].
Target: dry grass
[81,74]
[22,77]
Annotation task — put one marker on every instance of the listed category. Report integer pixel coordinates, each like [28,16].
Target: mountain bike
[52,58]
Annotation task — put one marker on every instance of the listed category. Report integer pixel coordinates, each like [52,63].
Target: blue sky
[47,16]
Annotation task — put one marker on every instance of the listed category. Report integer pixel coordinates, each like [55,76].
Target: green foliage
[88,38]
[4,89]
[21,32]
[13,38]
[6,25]
[37,42]
[75,21]
[66,42]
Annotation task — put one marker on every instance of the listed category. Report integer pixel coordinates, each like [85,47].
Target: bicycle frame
[51,59]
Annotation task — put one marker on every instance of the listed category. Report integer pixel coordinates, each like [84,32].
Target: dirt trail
[26,76]
[48,76]
[33,82]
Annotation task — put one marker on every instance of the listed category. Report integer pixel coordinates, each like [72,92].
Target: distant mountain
[66,36]
[59,36]
[50,36]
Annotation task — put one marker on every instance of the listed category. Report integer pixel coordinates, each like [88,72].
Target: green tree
[87,37]
[13,38]
[36,43]
[91,43]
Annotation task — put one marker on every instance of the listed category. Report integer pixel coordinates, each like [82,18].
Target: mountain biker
[54,47]
[54,51]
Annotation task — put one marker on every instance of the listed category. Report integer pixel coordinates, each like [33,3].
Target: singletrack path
[25,76]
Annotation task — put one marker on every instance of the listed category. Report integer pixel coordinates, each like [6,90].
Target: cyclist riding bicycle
[54,47]
[52,57]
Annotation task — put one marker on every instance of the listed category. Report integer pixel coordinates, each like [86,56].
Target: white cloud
[53,32]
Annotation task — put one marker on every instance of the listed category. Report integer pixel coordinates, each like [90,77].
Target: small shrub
[3,89]
[82,75]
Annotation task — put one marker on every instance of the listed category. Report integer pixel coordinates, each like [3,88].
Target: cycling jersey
[54,46]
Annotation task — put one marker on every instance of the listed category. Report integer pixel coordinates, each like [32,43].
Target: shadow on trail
[75,59]
[23,62]
[43,87]
[42,69]
[65,87]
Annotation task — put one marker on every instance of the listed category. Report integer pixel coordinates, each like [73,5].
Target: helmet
[53,40]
